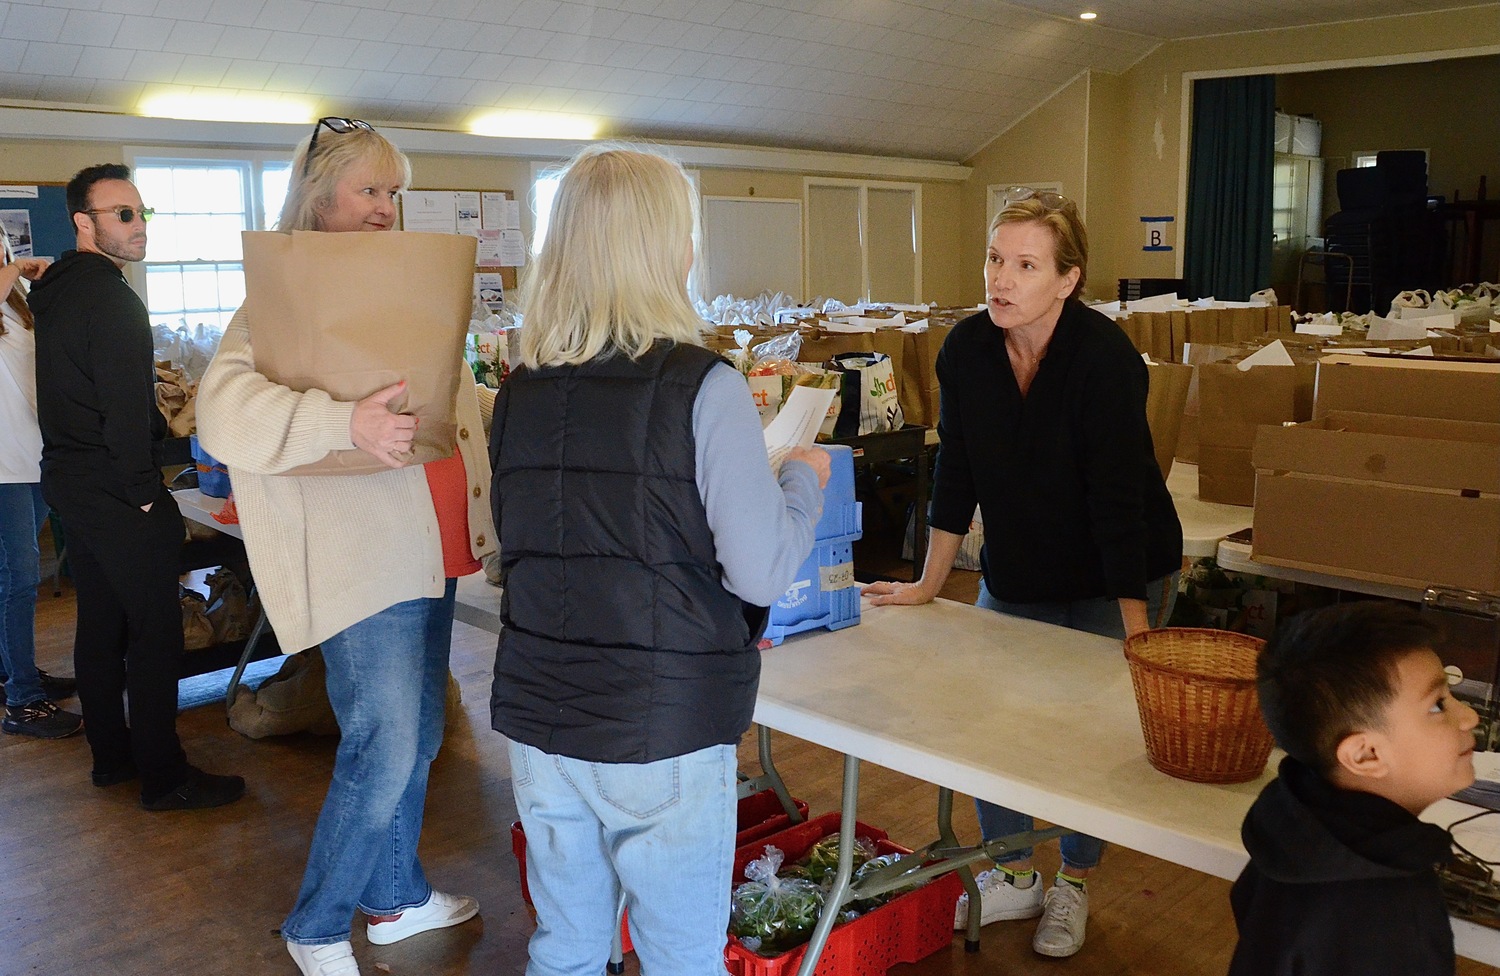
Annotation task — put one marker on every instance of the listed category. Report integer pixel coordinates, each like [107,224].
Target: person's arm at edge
[763,523]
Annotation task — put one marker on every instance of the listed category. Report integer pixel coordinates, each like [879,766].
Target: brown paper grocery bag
[918,381]
[351,314]
[1166,396]
[1232,403]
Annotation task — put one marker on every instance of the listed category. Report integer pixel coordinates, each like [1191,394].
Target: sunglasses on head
[1047,198]
[335,123]
[126,214]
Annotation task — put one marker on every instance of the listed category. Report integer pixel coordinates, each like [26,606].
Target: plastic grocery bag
[870,403]
[771,914]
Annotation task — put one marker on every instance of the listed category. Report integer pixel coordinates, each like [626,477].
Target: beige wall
[1133,123]
[1450,108]
[1048,145]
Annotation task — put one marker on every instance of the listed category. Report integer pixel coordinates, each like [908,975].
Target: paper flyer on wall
[491,289]
[798,422]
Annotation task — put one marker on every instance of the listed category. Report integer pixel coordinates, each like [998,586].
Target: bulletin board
[489,215]
[36,217]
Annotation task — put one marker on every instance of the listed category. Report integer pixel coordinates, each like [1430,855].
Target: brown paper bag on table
[917,382]
[1166,395]
[351,314]
[1232,403]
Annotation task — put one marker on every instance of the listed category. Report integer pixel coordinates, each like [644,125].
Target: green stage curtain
[1228,245]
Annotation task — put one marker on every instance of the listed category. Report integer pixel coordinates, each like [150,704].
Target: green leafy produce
[823,860]
[771,914]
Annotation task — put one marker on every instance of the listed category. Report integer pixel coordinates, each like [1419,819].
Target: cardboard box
[1409,387]
[1232,404]
[1408,501]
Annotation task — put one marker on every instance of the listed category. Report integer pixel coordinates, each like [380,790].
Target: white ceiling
[926,79]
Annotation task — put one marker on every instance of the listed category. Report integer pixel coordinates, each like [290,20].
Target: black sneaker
[56,686]
[40,720]
[200,791]
[114,777]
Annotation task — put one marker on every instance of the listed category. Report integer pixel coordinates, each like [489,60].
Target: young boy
[1342,874]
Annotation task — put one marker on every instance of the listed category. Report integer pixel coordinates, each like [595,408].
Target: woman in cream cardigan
[363,565]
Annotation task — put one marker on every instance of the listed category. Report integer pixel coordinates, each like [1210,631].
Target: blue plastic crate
[213,476]
[824,594]
[841,513]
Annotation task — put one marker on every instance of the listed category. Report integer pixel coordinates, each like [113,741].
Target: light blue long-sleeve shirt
[763,522]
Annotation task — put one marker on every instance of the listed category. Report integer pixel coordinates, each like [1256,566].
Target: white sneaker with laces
[441,911]
[1000,900]
[1064,915]
[324,960]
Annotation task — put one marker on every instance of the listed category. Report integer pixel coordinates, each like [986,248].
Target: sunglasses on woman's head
[335,123]
[126,214]
[1047,198]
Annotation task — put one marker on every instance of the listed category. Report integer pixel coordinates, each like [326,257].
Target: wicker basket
[1199,712]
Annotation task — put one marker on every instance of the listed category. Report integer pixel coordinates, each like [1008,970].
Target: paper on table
[1107,308]
[920,325]
[1274,354]
[1386,330]
[1365,351]
[797,423]
[1432,318]
[1494,326]
[1319,328]
[1203,302]
[1423,351]
[1156,303]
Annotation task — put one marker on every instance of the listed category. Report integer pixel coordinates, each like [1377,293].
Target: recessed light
[535,125]
[1087,15]
[225,107]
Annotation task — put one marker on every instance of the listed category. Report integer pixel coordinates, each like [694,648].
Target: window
[544,180]
[194,267]
[1366,157]
[864,240]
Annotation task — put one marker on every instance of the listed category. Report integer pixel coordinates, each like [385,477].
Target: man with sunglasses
[101,472]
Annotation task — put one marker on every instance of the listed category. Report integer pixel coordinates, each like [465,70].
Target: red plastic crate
[910,927]
[757,815]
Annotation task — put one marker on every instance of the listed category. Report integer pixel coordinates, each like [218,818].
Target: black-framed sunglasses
[1047,198]
[335,123]
[126,214]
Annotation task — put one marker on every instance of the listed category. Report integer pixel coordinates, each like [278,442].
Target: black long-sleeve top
[1073,502]
[96,393]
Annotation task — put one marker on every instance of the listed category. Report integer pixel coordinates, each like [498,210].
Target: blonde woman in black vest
[642,535]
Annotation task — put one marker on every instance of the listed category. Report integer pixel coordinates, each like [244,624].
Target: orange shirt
[449,484]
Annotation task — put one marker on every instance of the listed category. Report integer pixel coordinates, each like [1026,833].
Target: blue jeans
[663,831]
[387,682]
[1097,616]
[21,513]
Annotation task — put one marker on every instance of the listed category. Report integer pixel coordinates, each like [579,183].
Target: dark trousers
[129,638]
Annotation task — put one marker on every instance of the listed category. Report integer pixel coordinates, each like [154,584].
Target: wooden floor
[91,885]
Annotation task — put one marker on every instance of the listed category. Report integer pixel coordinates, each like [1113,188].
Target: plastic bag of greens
[823,860]
[770,914]
[870,867]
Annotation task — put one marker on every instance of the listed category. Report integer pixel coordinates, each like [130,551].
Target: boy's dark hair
[1330,673]
[83,182]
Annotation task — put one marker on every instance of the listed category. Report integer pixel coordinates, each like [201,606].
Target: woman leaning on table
[1043,426]
[364,565]
[642,536]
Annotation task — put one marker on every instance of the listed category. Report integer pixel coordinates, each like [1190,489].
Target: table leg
[834,900]
[245,655]
[965,873]
[771,777]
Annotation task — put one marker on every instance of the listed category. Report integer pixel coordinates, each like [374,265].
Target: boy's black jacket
[1339,882]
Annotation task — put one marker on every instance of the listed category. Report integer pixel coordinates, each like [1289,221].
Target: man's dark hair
[83,182]
[1330,673]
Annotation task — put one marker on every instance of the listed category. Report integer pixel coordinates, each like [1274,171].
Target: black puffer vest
[619,642]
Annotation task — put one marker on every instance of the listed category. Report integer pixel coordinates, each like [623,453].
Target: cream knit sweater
[327,551]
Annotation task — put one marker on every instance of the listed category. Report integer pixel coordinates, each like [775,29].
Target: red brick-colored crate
[910,927]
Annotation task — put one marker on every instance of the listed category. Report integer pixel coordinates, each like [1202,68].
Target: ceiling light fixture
[1087,15]
[512,124]
[226,107]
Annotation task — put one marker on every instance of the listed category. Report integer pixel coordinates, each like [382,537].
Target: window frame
[252,164]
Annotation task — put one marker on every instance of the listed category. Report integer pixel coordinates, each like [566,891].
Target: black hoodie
[1340,883]
[96,393]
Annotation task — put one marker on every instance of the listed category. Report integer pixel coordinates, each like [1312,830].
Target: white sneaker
[324,960]
[1066,912]
[1000,900]
[441,911]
